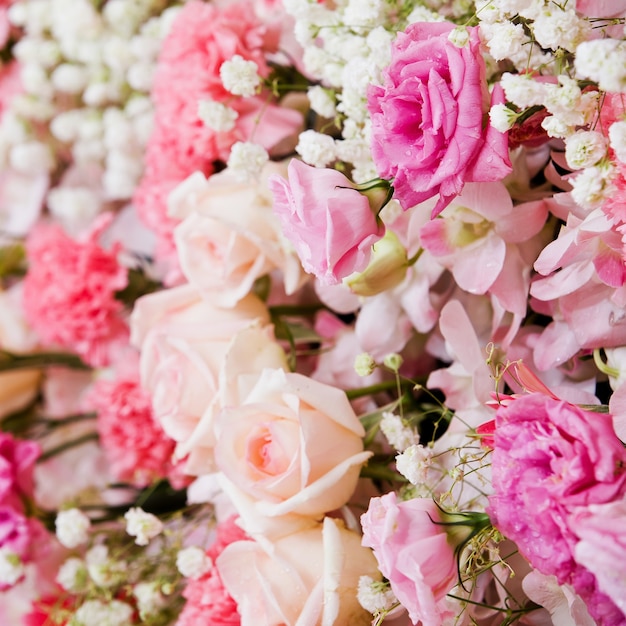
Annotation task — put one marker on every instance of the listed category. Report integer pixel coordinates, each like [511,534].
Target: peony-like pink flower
[413,553]
[136,445]
[69,292]
[208,601]
[429,132]
[550,459]
[330,223]
[201,38]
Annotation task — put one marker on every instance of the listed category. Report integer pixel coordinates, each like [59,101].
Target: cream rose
[292,444]
[308,578]
[230,236]
[190,349]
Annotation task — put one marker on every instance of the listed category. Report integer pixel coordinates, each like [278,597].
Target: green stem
[11,362]
[386,385]
[67,445]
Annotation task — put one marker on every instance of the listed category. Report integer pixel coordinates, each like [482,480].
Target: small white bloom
[193,562]
[556,127]
[556,28]
[72,528]
[375,596]
[69,78]
[216,115]
[247,160]
[592,186]
[105,572]
[502,118]
[141,525]
[522,90]
[98,613]
[364,364]
[505,40]
[399,435]
[413,463]
[150,600]
[240,77]
[11,567]
[316,148]
[584,149]
[459,36]
[72,575]
[322,101]
[617,138]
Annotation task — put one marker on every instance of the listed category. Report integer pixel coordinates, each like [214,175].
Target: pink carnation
[413,553]
[428,129]
[201,38]
[329,222]
[208,601]
[550,458]
[137,447]
[69,293]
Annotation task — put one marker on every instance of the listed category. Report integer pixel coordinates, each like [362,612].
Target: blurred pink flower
[201,38]
[17,463]
[413,552]
[427,117]
[329,222]
[550,458]
[69,293]
[208,601]
[137,447]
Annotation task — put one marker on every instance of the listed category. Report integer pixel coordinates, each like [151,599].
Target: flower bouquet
[313,313]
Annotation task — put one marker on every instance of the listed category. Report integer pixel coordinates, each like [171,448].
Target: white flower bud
[240,77]
[584,149]
[216,115]
[399,435]
[193,562]
[11,567]
[31,157]
[72,528]
[141,525]
[246,160]
[72,575]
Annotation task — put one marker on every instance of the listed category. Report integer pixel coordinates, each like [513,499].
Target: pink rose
[191,351]
[550,459]
[330,223]
[413,553]
[305,578]
[429,132]
[292,444]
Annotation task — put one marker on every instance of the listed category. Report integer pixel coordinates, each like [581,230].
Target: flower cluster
[312,313]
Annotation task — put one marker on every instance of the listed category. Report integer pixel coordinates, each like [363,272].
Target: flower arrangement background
[312,313]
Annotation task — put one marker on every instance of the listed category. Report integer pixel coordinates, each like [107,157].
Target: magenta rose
[330,223]
[17,463]
[430,128]
[550,459]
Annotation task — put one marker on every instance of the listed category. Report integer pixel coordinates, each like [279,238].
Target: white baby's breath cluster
[399,434]
[86,71]
[143,526]
[193,562]
[375,596]
[104,570]
[72,527]
[240,77]
[345,48]
[103,613]
[414,463]
[11,567]
[246,160]
[73,575]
